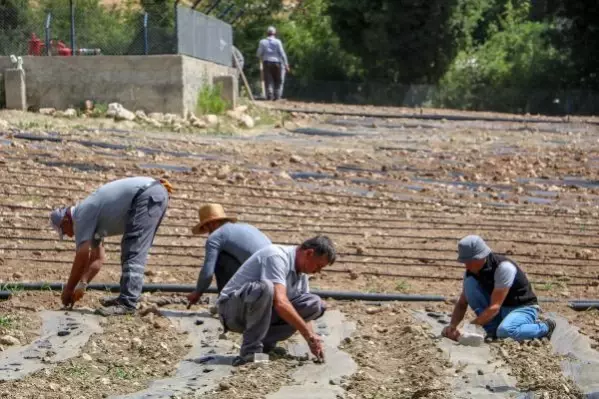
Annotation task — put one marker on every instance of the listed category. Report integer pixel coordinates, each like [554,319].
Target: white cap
[271,30]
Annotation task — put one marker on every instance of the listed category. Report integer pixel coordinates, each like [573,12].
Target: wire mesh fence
[86,28]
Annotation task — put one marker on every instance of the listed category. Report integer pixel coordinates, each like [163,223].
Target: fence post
[72,5]
[145,22]
[176,41]
[48,21]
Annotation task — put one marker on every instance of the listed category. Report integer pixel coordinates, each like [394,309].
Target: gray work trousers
[249,311]
[272,79]
[144,218]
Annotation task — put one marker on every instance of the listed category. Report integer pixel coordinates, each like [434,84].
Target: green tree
[408,41]
[514,70]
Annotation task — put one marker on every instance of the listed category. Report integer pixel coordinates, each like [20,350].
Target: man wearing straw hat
[132,207]
[499,293]
[229,244]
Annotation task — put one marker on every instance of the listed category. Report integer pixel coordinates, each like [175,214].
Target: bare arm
[459,310]
[80,264]
[287,312]
[97,257]
[497,297]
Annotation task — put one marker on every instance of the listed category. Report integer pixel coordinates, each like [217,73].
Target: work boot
[551,326]
[116,310]
[274,350]
[108,301]
[241,360]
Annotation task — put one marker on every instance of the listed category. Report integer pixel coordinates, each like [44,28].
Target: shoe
[241,360]
[108,301]
[274,350]
[116,310]
[551,326]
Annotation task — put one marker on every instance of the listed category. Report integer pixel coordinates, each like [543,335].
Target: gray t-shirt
[274,263]
[505,274]
[104,212]
[239,240]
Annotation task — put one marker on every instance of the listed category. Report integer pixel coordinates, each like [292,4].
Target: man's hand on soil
[67,298]
[316,346]
[451,332]
[193,298]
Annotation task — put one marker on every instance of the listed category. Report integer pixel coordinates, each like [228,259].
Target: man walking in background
[132,207]
[274,62]
[228,246]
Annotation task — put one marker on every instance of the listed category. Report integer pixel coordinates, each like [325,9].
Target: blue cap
[472,247]
[56,217]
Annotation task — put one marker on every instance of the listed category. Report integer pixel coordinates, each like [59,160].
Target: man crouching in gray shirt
[131,207]
[268,299]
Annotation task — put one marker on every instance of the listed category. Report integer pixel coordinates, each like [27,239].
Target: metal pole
[239,15]
[176,49]
[145,23]
[212,7]
[48,22]
[227,11]
[72,5]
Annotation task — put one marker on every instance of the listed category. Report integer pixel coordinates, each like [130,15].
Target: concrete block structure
[155,83]
[15,89]
[229,88]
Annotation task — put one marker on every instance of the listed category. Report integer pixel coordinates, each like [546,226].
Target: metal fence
[79,27]
[204,37]
[512,100]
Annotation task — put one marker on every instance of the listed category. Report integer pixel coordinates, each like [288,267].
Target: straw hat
[210,213]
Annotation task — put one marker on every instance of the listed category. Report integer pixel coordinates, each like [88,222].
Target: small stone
[296,159]
[70,113]
[63,333]
[224,386]
[164,346]
[9,340]
[199,322]
[136,343]
[335,381]
[86,357]
[211,120]
[47,111]
[480,372]
[105,381]
[222,336]
[17,275]
[53,386]
[373,310]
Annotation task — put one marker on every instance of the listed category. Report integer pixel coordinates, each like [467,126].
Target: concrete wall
[197,73]
[156,83]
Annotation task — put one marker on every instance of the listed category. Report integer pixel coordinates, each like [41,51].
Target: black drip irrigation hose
[584,305]
[343,295]
[180,288]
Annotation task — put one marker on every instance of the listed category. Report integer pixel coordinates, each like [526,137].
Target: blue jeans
[519,322]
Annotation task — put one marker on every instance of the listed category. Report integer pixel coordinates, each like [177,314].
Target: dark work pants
[273,79]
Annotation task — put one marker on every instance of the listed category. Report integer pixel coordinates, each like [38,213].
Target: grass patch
[99,110]
[549,286]
[402,286]
[124,374]
[76,371]
[6,321]
[210,100]
[14,288]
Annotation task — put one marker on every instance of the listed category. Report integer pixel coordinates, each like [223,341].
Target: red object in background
[61,49]
[35,45]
